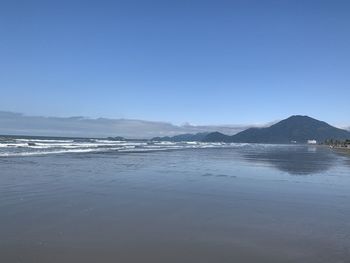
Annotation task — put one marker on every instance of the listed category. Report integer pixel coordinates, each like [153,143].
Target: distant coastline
[341,149]
[339,146]
[296,129]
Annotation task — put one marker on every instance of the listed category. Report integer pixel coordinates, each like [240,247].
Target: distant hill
[295,128]
[217,137]
[183,137]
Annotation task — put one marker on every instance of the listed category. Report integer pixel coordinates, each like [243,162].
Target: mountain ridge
[294,129]
[183,137]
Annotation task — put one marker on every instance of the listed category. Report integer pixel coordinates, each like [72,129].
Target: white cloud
[16,123]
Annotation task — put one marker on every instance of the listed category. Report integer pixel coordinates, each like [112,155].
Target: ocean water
[69,200]
[34,146]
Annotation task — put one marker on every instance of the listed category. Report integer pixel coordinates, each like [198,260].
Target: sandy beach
[253,203]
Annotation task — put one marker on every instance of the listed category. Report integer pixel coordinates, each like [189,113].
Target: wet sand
[205,205]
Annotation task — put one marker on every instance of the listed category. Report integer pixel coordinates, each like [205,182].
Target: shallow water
[241,203]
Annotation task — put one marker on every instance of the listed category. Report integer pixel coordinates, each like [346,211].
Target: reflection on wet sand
[298,160]
[200,205]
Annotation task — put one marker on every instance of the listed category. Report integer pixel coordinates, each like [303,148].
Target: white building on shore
[311,142]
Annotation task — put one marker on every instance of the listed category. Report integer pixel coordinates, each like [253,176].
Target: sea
[101,200]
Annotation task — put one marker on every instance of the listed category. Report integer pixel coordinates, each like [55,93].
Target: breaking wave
[44,146]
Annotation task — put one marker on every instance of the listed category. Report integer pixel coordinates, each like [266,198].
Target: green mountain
[182,137]
[217,137]
[296,128]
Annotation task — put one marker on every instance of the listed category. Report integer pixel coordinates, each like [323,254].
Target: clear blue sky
[204,62]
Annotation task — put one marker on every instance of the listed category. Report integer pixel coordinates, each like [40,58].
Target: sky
[197,62]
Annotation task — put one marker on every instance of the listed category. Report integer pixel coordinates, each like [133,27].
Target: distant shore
[341,149]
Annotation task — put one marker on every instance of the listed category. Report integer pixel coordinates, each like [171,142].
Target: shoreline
[345,150]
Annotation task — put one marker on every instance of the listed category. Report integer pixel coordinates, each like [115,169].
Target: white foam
[42,140]
[55,152]
[23,147]
[13,145]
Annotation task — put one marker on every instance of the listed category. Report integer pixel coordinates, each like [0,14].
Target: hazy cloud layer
[16,123]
